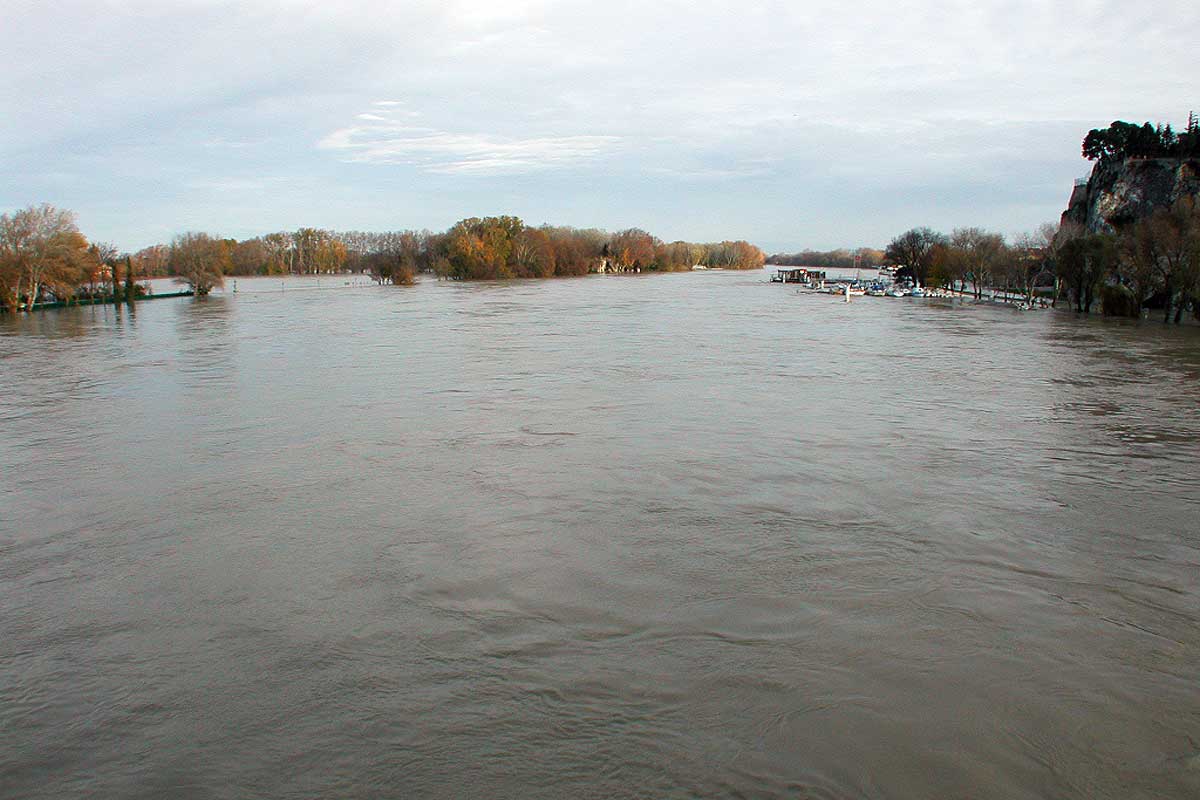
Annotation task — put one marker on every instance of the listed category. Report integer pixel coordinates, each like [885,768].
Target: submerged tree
[151,262]
[130,281]
[633,249]
[199,261]
[979,254]
[1084,262]
[1175,232]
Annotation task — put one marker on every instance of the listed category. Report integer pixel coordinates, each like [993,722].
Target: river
[650,536]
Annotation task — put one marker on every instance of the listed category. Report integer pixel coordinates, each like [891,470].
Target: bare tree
[1175,232]
[915,249]
[982,253]
[199,261]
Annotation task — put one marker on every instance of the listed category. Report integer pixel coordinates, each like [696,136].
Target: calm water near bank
[677,535]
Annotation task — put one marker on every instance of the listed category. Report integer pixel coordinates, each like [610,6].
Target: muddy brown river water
[659,536]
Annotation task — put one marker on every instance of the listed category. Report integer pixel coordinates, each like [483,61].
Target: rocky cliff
[1121,192]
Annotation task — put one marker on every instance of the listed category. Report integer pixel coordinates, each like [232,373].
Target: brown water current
[659,536]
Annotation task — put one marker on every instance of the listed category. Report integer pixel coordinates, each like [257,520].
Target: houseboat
[798,275]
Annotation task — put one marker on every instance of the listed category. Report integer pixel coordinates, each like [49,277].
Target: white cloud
[444,152]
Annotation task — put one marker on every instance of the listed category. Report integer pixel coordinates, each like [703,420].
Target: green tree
[1122,140]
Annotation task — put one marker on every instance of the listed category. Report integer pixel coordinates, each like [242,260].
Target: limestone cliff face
[1121,192]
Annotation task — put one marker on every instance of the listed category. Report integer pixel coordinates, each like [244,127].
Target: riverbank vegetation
[44,256]
[1150,266]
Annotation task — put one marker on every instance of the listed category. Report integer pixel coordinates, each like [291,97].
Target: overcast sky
[791,124]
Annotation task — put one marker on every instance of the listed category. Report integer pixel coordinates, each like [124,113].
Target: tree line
[43,256]
[1150,265]
[830,259]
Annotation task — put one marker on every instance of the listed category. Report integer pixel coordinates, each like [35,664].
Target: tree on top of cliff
[1122,140]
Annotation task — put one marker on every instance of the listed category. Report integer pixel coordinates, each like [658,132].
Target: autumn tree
[577,251]
[482,248]
[734,255]
[100,267]
[199,261]
[278,247]
[247,257]
[533,254]
[633,249]
[41,249]
[678,256]
[152,262]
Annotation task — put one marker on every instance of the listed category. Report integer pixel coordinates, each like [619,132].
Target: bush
[1118,301]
